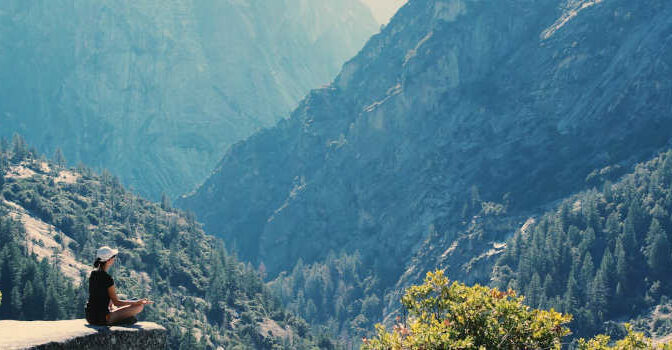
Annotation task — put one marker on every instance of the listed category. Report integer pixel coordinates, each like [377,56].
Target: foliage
[198,288]
[600,255]
[444,315]
[338,294]
[632,341]
[35,288]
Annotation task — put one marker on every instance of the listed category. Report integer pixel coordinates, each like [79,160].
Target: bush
[444,315]
[632,341]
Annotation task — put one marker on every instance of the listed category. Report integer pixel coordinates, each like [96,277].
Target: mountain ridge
[158,91]
[424,113]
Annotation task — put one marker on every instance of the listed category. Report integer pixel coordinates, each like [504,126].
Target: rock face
[519,99]
[77,334]
[156,91]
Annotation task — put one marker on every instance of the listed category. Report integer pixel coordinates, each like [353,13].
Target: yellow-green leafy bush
[632,341]
[445,315]
[450,315]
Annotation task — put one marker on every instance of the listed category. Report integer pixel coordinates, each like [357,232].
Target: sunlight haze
[383,10]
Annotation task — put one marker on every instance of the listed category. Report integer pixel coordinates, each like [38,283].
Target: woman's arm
[114,299]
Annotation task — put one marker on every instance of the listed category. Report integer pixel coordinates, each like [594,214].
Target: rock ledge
[78,334]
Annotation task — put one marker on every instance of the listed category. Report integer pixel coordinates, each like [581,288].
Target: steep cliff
[156,91]
[77,334]
[516,101]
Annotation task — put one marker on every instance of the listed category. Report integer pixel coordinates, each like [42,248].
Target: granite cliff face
[516,100]
[156,91]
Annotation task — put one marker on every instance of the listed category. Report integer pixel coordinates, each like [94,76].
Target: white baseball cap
[106,253]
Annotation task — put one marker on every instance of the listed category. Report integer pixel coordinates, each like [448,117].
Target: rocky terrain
[156,91]
[459,113]
[77,334]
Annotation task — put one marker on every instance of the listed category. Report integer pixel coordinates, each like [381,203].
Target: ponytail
[99,263]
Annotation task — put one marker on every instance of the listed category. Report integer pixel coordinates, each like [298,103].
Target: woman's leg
[124,313]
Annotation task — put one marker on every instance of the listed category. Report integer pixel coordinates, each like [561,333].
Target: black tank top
[99,299]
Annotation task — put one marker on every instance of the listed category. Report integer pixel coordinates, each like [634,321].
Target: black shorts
[96,318]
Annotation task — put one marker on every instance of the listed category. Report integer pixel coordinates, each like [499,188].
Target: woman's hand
[143,302]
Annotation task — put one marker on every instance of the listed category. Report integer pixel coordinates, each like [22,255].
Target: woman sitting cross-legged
[102,294]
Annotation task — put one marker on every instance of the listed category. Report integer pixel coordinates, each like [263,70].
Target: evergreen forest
[600,255]
[52,218]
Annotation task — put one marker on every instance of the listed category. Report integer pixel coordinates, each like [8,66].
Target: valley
[524,146]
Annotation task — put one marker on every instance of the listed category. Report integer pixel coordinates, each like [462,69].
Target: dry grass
[268,325]
[20,172]
[67,177]
[41,239]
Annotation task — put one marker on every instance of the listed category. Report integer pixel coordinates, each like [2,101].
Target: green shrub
[445,315]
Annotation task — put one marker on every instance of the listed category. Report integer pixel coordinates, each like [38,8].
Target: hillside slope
[455,102]
[601,254]
[53,219]
[156,91]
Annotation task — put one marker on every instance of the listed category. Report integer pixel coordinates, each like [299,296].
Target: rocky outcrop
[156,91]
[77,334]
[518,99]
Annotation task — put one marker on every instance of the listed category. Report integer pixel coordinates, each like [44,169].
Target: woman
[102,294]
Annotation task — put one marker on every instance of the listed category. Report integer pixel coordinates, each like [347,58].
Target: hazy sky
[383,10]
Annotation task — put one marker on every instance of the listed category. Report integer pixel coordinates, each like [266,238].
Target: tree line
[602,254]
[203,295]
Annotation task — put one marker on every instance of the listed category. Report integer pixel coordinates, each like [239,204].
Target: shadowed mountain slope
[518,100]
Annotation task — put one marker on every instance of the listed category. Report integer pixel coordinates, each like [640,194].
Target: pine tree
[599,294]
[622,266]
[59,158]
[52,307]
[657,249]
[19,148]
[608,269]
[4,145]
[165,202]
[32,312]
[534,292]
[571,294]
[587,240]
[549,286]
[17,306]
[633,223]
[587,273]
[613,228]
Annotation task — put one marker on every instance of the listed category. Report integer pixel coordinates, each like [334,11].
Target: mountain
[600,254]
[516,102]
[156,91]
[446,133]
[52,219]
